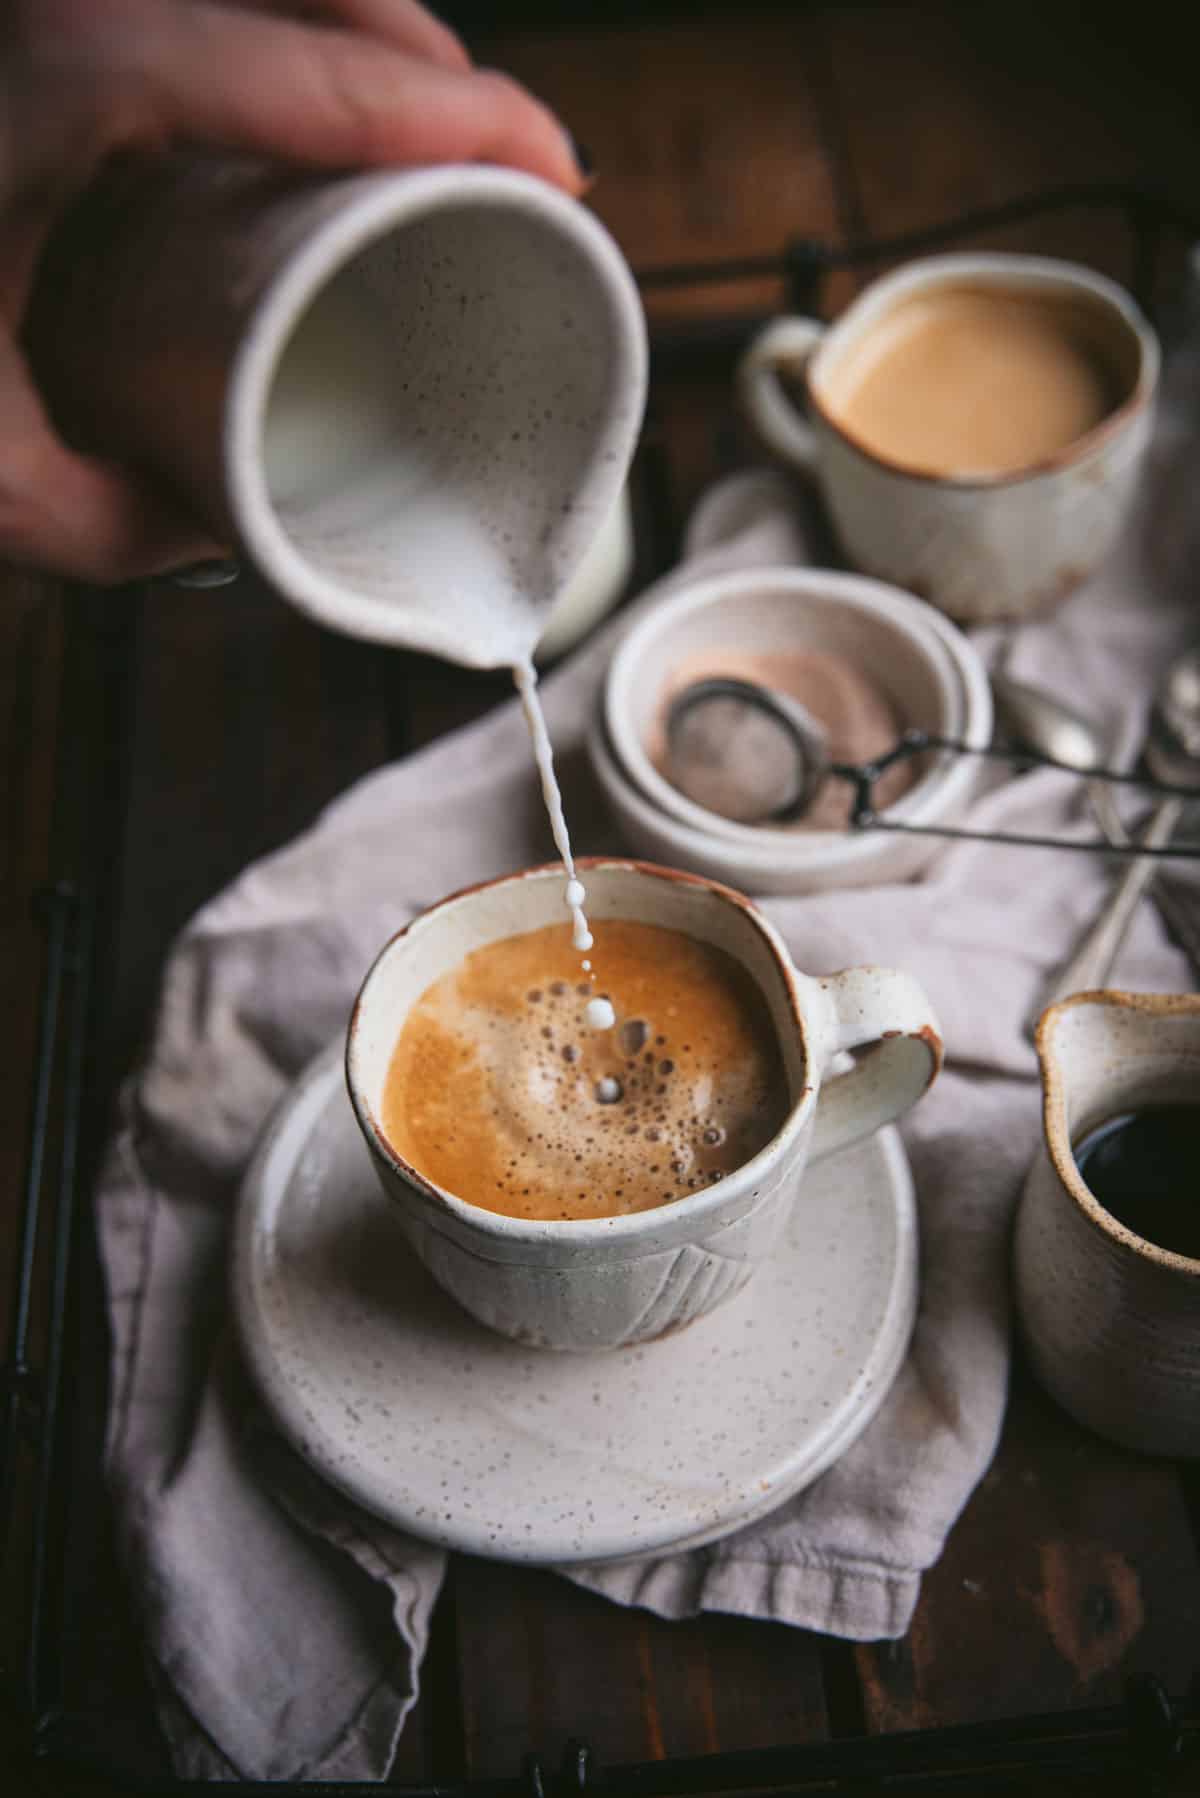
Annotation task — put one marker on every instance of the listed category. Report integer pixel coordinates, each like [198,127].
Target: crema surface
[501,1093]
[973,383]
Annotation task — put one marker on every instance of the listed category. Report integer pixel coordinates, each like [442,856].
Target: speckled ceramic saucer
[449,1431]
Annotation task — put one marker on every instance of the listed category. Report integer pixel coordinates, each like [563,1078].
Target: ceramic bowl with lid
[911,657]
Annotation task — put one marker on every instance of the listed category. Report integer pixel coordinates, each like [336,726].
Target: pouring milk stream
[454,476]
[598,1011]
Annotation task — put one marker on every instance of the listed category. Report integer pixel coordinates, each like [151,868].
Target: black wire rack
[1152,1741]
[805,264]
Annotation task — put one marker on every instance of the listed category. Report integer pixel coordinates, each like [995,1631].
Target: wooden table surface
[157,740]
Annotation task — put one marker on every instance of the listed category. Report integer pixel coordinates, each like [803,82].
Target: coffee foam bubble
[576,1115]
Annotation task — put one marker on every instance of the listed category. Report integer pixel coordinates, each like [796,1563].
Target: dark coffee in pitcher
[1143,1167]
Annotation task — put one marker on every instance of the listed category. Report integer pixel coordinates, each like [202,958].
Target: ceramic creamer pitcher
[1112,1319]
[411,395]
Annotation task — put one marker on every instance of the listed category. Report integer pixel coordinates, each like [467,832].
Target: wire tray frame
[1153,1739]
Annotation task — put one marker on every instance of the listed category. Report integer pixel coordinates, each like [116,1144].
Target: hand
[330,83]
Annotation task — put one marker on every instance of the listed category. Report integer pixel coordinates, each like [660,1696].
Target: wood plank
[246,719]
[30,678]
[75,696]
[240,719]
[1072,1568]
[705,133]
[543,1662]
[945,109]
[31,643]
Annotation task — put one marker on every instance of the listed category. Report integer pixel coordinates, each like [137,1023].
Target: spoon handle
[1092,960]
[1178,913]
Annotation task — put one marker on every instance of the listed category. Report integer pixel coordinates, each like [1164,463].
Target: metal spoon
[1172,752]
[1034,719]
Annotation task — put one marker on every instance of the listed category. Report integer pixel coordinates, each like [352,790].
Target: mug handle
[886,1012]
[784,344]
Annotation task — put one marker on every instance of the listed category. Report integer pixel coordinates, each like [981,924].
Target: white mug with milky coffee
[602,1281]
[976,424]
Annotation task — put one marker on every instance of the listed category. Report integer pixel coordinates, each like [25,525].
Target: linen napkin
[285,1626]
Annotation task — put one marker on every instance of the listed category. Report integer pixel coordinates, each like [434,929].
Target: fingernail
[204,574]
[583,158]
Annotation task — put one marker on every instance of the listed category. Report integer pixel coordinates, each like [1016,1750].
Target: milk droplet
[608,1090]
[525,676]
[600,1014]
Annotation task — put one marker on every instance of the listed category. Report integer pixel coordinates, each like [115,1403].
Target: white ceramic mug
[980,547]
[413,396]
[609,1281]
[1112,1321]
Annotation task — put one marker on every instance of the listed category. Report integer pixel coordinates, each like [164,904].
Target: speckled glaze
[413,395]
[603,1283]
[981,548]
[457,1435]
[925,665]
[1112,1321]
[596,586]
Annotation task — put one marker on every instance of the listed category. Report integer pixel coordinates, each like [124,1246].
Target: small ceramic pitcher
[1112,1321]
[411,395]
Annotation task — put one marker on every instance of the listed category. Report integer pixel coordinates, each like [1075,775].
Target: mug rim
[1057,1137]
[995,269]
[622,1228]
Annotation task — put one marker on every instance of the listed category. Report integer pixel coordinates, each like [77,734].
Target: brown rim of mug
[1056,1135]
[1074,452]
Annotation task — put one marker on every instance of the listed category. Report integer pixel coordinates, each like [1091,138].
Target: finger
[401,23]
[90,521]
[335,99]
[100,525]
[71,515]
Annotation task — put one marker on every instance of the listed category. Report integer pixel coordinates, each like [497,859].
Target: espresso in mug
[976,382]
[500,1092]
